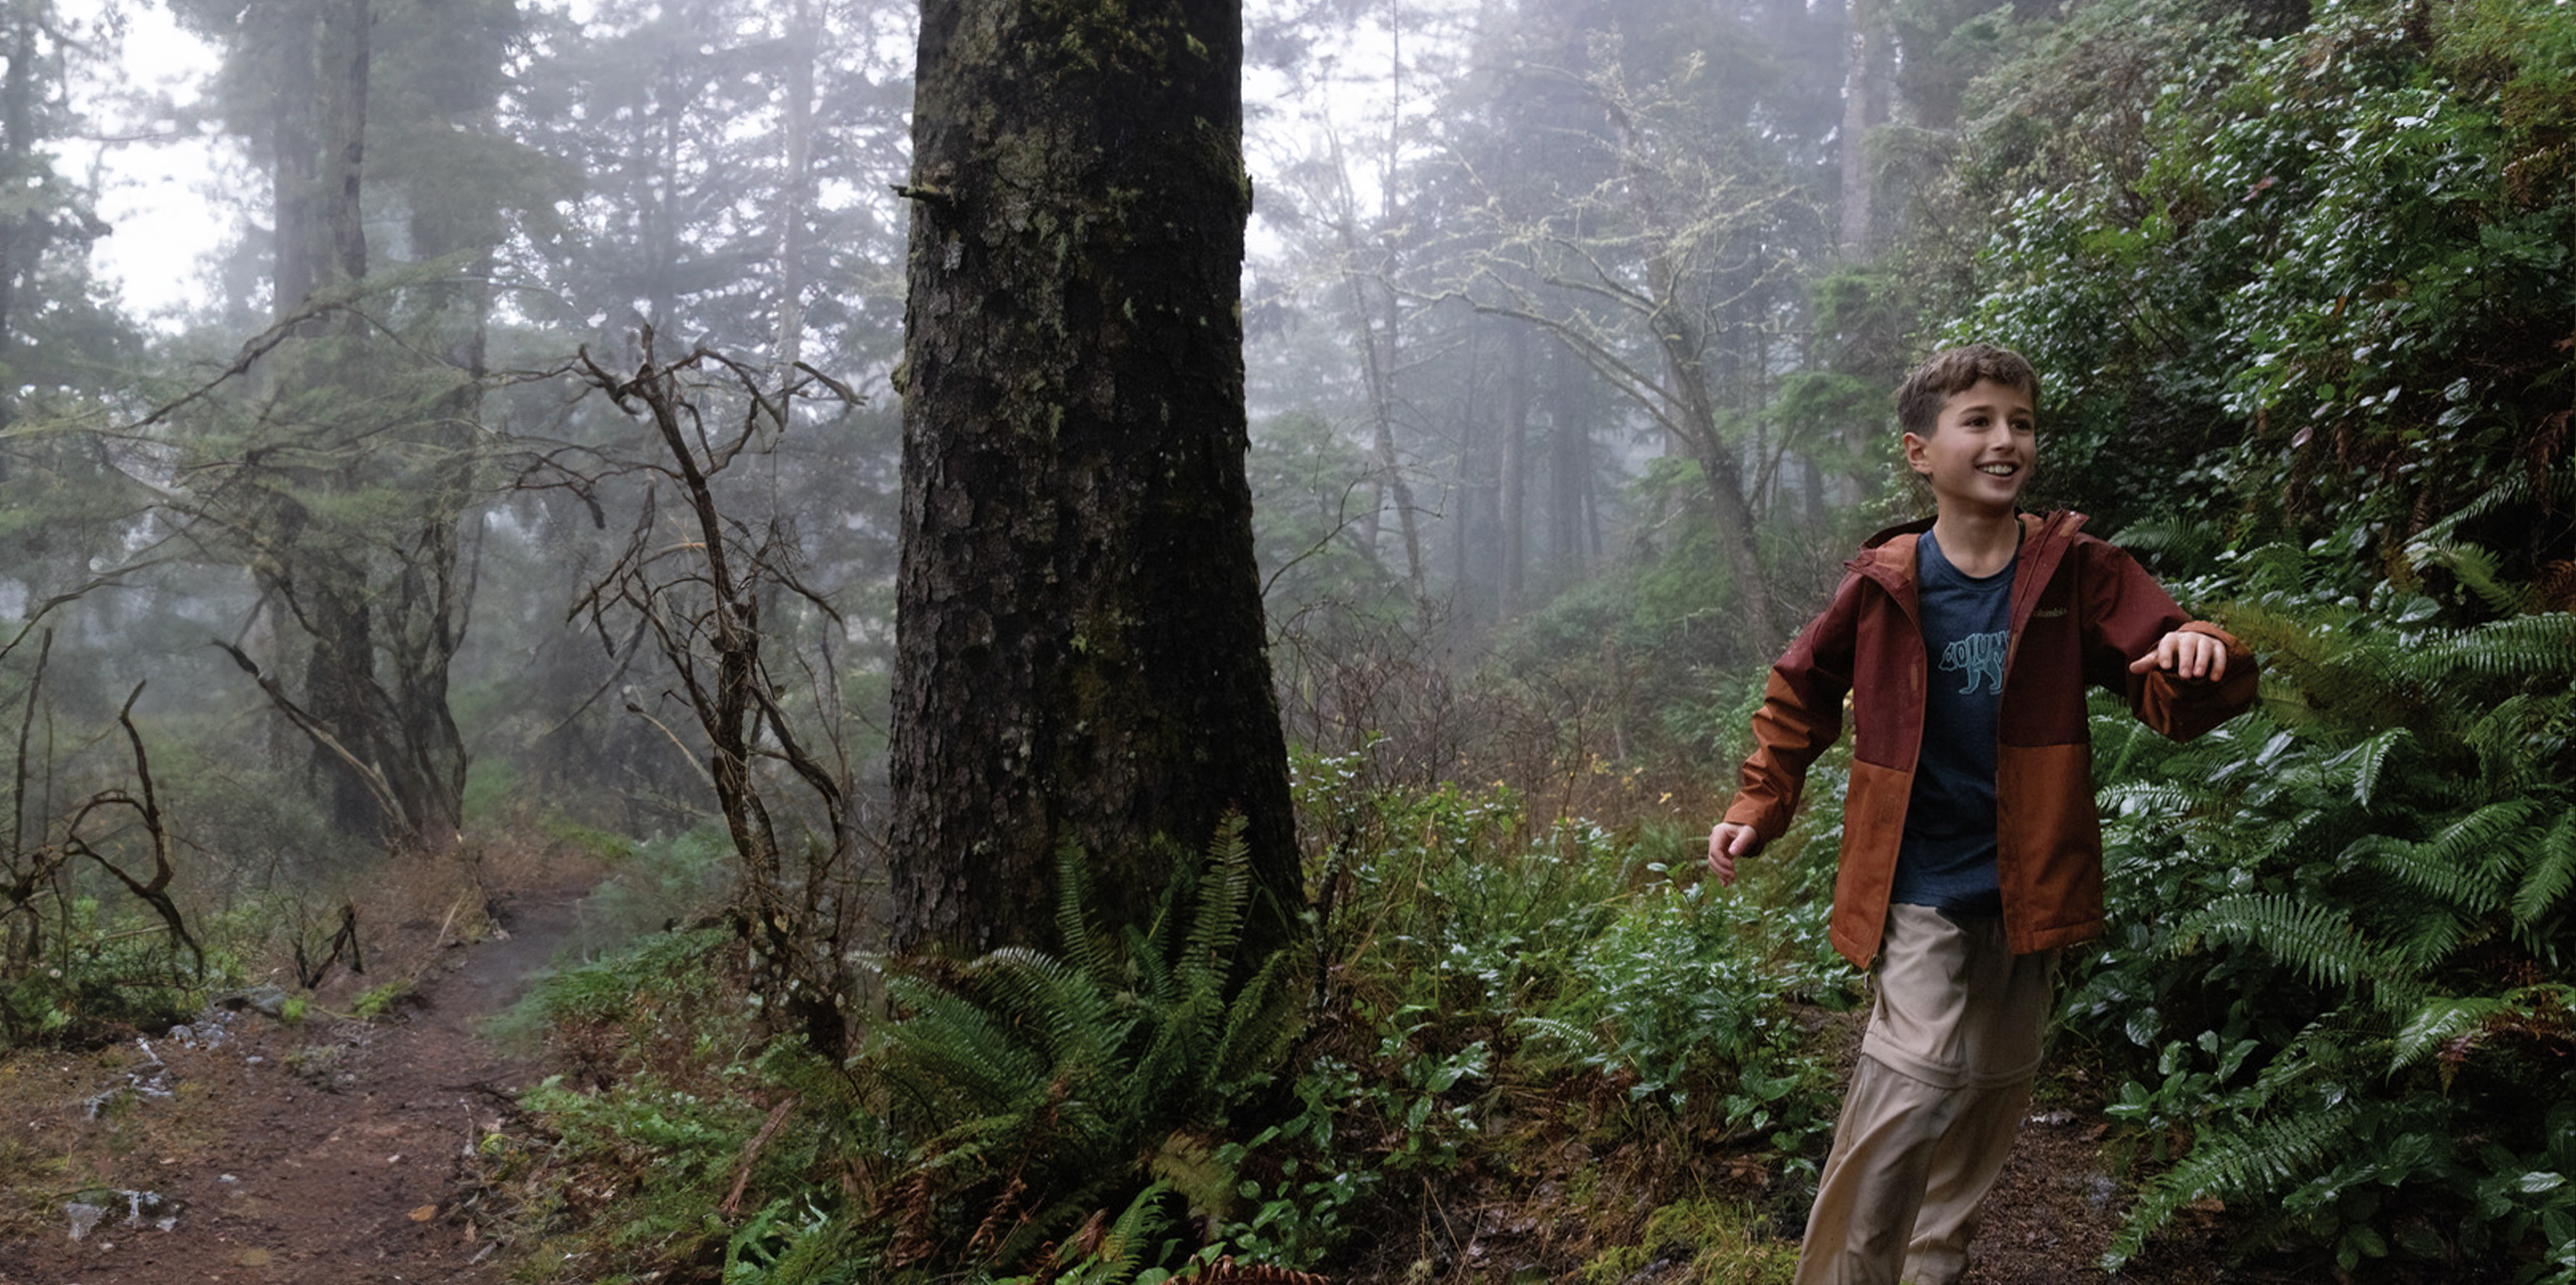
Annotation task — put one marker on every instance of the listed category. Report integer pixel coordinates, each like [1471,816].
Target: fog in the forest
[455,450]
[303,445]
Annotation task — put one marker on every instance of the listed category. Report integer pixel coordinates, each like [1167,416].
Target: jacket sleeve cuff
[2184,709]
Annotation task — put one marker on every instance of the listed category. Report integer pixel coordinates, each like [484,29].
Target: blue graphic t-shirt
[1947,858]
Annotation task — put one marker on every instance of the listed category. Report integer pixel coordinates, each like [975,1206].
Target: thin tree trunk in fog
[1471,489]
[1569,449]
[1079,639]
[340,673]
[296,153]
[801,39]
[1511,510]
[21,235]
[1378,337]
[1691,392]
[1864,108]
[346,31]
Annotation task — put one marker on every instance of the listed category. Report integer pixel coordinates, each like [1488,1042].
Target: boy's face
[1981,450]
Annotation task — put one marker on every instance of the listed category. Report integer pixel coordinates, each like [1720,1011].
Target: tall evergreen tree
[340,469]
[1080,632]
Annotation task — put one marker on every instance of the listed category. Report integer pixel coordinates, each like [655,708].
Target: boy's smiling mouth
[1999,470]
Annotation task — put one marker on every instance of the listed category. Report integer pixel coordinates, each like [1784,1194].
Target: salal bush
[2335,285]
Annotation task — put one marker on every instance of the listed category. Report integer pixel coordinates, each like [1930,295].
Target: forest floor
[260,1151]
[331,1150]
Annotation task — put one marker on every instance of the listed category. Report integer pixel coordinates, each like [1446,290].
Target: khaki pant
[1945,1071]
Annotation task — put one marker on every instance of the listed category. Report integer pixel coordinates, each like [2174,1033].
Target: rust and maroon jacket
[2081,611]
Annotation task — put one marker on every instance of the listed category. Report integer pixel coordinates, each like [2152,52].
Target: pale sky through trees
[161,185]
[158,196]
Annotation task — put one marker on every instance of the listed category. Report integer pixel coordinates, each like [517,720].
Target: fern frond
[1582,1044]
[1028,1236]
[1061,1008]
[2464,863]
[1152,973]
[1036,1081]
[2422,941]
[1083,943]
[1154,949]
[2250,1164]
[1224,891]
[2438,1021]
[1262,1023]
[2517,739]
[2513,488]
[2551,873]
[2155,799]
[2477,569]
[2187,541]
[951,1058]
[2319,940]
[2368,760]
[1124,1246]
[2534,647]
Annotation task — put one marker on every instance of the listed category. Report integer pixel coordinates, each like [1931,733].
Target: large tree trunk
[340,676]
[1079,637]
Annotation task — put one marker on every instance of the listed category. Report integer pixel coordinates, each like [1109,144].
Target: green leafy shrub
[672,1100]
[638,1172]
[667,1003]
[99,976]
[2347,920]
[2311,278]
[652,886]
[1472,962]
[1683,989]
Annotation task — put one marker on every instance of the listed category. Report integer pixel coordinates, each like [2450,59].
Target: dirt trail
[331,1152]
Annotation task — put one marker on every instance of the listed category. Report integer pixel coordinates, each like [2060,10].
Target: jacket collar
[1888,558]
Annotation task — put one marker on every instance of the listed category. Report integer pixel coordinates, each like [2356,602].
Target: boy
[1971,849]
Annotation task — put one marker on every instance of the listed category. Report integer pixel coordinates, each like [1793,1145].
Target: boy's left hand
[2187,655]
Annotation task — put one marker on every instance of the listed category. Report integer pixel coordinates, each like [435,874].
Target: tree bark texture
[1079,636]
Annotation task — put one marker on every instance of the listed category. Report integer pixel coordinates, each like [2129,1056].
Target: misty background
[1473,451]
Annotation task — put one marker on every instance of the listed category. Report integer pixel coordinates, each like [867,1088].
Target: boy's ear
[1914,448]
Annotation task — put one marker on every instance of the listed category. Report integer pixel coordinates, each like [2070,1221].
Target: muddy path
[327,1151]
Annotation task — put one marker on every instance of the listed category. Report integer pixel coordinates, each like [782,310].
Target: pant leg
[2003,1042]
[1868,1197]
[1945,1067]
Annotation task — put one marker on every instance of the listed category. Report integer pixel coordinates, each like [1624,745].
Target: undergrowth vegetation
[1482,997]
[2343,970]
[2338,396]
[2300,284]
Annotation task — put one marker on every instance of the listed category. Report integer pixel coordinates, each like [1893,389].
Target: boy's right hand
[1727,842]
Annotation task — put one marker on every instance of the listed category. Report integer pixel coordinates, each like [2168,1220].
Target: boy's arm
[1801,714]
[2181,676]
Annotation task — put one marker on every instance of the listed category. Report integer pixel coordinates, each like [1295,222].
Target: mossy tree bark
[1079,637]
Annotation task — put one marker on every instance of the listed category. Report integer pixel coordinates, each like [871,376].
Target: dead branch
[147,808]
